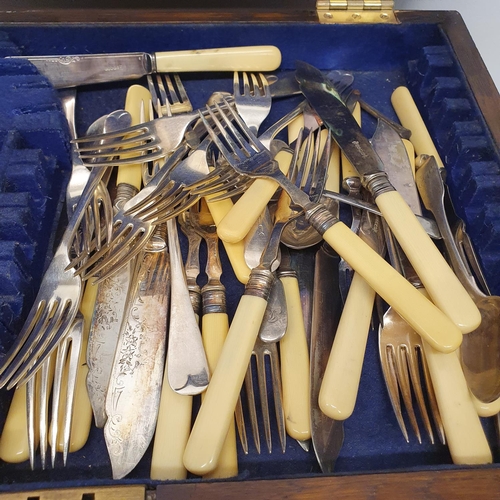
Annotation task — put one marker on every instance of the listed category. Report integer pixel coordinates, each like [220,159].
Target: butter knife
[443,286]
[83,69]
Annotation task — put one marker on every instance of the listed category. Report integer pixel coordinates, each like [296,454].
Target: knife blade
[443,286]
[133,396]
[327,434]
[112,292]
[73,70]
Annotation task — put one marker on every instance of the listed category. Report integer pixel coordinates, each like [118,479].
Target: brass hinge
[356,11]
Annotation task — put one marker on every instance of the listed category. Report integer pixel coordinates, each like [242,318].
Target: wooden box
[430,52]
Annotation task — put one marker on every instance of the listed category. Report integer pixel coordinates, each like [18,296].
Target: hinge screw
[328,15]
[356,15]
[384,16]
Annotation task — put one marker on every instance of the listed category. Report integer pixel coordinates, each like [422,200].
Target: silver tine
[264,402]
[240,425]
[388,364]
[43,411]
[30,415]
[251,405]
[277,393]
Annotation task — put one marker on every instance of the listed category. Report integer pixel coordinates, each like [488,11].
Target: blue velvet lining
[34,167]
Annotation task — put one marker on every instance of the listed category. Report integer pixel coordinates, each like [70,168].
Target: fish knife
[443,286]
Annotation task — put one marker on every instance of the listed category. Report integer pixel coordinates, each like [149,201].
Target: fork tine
[240,425]
[413,356]
[432,400]
[141,129]
[61,353]
[402,373]
[277,393]
[264,402]
[57,328]
[251,406]
[43,410]
[30,415]
[387,358]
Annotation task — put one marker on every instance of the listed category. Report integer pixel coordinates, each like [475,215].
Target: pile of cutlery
[133,335]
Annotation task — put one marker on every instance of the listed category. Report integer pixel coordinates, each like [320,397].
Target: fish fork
[55,306]
[145,142]
[213,420]
[171,95]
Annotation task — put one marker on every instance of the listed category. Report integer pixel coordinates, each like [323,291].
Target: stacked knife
[136,381]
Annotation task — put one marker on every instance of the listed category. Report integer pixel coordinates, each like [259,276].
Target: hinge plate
[356,11]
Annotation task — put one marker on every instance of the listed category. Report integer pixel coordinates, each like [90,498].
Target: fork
[171,94]
[145,142]
[55,306]
[215,416]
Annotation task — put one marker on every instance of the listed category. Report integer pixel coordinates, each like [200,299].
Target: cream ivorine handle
[339,388]
[410,117]
[247,58]
[81,420]
[216,414]
[14,440]
[234,251]
[295,367]
[439,280]
[463,430]
[214,331]
[172,431]
[245,212]
[137,104]
[425,318]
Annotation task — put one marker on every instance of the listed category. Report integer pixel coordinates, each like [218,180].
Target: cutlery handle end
[249,58]
[423,315]
[439,280]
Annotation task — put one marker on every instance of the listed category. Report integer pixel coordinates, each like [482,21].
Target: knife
[133,396]
[463,430]
[83,69]
[112,292]
[443,286]
[327,434]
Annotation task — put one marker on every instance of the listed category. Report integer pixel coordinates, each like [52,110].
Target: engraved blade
[103,337]
[133,396]
[65,71]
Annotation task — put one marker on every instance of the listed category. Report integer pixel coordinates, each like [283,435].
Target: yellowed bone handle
[247,58]
[172,432]
[235,251]
[14,440]
[339,389]
[439,280]
[463,430]
[425,318]
[410,117]
[137,97]
[81,421]
[216,414]
[214,330]
[295,369]
[241,218]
